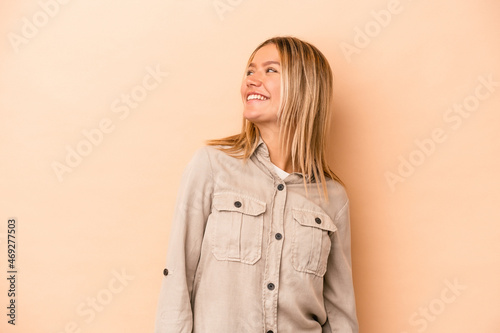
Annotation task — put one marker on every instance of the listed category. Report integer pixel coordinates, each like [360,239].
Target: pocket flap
[314,219]
[235,202]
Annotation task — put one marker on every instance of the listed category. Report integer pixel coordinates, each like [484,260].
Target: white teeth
[255,96]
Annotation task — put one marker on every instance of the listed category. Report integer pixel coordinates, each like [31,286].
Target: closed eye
[268,70]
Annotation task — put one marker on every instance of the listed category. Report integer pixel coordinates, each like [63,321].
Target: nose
[253,80]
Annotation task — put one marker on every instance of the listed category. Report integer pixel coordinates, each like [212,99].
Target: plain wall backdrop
[102,104]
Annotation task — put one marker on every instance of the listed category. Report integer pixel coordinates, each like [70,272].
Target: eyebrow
[266,63]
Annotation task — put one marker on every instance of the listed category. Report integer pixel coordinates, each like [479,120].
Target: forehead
[266,54]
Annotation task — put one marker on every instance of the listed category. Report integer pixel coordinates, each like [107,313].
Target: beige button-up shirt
[249,252]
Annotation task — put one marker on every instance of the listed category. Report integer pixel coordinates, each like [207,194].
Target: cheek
[277,90]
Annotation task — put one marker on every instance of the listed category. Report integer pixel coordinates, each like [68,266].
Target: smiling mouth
[257,97]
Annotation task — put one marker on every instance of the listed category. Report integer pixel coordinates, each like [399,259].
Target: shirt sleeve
[194,199]
[338,289]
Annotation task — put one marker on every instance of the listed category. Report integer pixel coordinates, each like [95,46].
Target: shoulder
[210,157]
[336,190]
[200,156]
[208,151]
[217,154]
[338,200]
[199,163]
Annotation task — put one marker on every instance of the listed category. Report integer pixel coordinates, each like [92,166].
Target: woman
[261,232]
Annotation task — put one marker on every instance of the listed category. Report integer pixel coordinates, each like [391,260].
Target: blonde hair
[304,113]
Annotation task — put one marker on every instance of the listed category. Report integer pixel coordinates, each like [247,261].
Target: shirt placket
[273,258]
[270,288]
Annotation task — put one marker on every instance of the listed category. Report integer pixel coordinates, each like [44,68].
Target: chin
[250,116]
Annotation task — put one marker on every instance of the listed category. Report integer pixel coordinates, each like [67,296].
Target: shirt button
[278,236]
[318,220]
[237,204]
[270,286]
[281,187]
[165,272]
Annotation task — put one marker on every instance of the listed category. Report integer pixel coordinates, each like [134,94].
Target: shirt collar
[262,154]
[262,148]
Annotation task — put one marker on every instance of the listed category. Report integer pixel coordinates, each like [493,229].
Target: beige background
[426,255]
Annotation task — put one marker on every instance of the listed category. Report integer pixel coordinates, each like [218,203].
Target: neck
[278,157]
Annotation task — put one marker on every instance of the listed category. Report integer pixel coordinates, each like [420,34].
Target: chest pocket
[311,241]
[238,224]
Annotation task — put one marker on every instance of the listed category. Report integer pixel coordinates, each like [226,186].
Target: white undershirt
[283,174]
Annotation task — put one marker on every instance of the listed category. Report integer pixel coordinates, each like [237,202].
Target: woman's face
[260,89]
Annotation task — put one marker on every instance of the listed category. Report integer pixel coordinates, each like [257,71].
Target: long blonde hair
[304,113]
